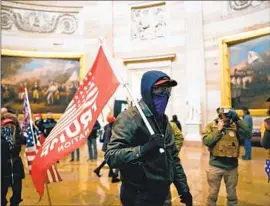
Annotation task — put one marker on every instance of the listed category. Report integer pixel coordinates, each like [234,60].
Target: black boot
[115,179]
[97,172]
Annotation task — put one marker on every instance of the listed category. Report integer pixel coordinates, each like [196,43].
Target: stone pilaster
[194,53]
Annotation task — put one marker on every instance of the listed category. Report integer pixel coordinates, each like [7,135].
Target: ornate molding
[148,22]
[161,57]
[38,21]
[241,5]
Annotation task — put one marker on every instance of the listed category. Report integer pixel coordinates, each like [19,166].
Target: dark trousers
[110,169]
[16,189]
[148,196]
[77,153]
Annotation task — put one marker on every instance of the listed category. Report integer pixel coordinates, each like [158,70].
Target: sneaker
[115,179]
[72,160]
[246,158]
[97,172]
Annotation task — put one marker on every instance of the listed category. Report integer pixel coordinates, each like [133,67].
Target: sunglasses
[162,91]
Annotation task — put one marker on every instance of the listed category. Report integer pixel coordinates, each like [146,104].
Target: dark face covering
[160,103]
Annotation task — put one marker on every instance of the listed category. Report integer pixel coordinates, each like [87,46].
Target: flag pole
[30,115]
[31,127]
[49,196]
[119,77]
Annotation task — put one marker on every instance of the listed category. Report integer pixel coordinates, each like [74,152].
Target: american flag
[26,112]
[34,139]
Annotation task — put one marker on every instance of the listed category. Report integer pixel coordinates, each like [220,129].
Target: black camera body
[227,121]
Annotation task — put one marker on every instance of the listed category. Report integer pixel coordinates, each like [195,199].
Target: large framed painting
[51,79]
[245,79]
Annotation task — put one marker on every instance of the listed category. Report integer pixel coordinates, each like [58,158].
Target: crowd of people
[147,163]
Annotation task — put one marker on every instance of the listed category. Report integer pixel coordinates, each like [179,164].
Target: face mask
[160,103]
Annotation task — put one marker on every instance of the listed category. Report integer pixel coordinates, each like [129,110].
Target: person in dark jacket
[12,170]
[176,121]
[48,124]
[148,163]
[107,136]
[92,142]
[247,142]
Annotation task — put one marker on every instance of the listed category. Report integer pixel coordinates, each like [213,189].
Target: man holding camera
[222,138]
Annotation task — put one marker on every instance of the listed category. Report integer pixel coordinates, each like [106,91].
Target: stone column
[195,68]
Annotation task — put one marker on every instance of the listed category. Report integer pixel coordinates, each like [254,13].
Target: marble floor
[81,186]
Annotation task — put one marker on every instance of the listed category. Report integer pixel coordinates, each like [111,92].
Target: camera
[226,119]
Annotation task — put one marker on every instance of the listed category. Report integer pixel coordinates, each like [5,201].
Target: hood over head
[148,80]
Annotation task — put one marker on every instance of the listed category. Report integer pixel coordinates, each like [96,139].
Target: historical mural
[250,73]
[51,83]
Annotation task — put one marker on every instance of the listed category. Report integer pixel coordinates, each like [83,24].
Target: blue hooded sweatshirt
[147,82]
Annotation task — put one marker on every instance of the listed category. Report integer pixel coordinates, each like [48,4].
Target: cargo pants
[214,178]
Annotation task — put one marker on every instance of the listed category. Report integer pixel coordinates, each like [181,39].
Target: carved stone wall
[148,23]
[240,5]
[38,21]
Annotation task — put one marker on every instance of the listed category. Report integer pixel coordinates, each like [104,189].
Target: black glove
[186,198]
[233,115]
[155,141]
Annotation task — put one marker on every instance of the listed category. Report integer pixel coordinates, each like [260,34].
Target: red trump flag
[75,125]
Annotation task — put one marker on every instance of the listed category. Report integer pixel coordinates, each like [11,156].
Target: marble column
[195,68]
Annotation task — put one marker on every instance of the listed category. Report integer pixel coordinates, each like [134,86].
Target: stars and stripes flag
[34,139]
[26,113]
[76,123]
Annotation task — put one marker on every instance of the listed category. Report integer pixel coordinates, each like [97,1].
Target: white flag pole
[121,80]
[30,115]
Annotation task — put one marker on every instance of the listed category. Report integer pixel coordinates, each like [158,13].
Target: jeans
[78,154]
[16,189]
[247,144]
[92,148]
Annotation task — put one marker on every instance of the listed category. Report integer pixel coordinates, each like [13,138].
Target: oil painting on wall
[50,82]
[250,73]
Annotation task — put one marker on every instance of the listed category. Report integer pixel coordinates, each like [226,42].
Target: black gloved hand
[233,115]
[186,198]
[155,141]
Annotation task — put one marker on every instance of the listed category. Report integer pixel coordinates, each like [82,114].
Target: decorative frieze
[38,21]
[240,5]
[148,22]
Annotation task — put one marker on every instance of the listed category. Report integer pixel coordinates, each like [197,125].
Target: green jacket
[178,135]
[212,136]
[128,134]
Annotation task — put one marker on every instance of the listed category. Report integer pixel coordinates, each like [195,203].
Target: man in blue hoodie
[146,172]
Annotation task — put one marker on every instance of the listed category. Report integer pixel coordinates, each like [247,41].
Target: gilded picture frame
[78,56]
[225,83]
